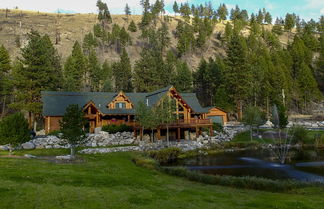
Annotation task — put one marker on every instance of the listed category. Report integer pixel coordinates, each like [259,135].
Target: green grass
[114,181]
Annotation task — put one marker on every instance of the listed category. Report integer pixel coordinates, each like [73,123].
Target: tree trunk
[167,135]
[3,107]
[72,151]
[152,135]
[10,149]
[251,133]
[239,109]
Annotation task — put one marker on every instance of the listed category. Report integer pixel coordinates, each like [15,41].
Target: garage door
[216,119]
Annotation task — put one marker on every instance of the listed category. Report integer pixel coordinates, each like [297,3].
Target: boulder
[64,157]
[97,130]
[29,156]
[4,148]
[28,145]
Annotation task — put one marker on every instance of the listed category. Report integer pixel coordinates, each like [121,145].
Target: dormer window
[120,105]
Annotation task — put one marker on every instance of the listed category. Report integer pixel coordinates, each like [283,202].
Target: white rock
[64,157]
[28,145]
[29,156]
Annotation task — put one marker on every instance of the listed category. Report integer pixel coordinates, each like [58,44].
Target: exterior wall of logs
[120,109]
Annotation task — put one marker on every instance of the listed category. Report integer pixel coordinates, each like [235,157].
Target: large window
[120,105]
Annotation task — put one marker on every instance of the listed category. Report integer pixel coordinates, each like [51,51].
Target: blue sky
[307,9]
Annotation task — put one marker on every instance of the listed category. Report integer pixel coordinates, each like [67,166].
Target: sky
[307,9]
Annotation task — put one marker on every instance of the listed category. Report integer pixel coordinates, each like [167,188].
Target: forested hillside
[231,59]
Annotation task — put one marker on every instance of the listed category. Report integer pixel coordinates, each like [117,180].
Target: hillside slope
[73,27]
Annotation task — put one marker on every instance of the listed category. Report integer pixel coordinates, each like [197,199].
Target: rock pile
[105,139]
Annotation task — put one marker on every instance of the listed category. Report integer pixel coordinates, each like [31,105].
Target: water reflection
[258,163]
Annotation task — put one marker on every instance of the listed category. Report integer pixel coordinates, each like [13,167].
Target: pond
[302,165]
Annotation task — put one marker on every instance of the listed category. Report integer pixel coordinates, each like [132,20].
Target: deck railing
[176,123]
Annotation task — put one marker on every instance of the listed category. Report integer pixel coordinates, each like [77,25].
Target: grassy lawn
[113,181]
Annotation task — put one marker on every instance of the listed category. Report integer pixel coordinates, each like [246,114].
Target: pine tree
[260,17]
[122,73]
[94,70]
[5,68]
[75,69]
[237,75]
[222,12]
[268,18]
[290,22]
[107,76]
[104,14]
[183,78]
[146,17]
[127,11]
[89,42]
[71,127]
[319,72]
[175,8]
[40,70]
[277,28]
[132,27]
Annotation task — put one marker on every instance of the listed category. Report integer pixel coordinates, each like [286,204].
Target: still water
[303,165]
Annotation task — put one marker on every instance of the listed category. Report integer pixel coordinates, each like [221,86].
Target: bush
[218,127]
[145,162]
[116,128]
[246,182]
[14,130]
[299,134]
[56,133]
[165,156]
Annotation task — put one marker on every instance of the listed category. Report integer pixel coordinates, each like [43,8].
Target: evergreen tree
[72,126]
[222,12]
[268,18]
[146,17]
[175,7]
[5,68]
[107,76]
[14,130]
[237,75]
[104,14]
[39,70]
[89,42]
[75,69]
[260,17]
[289,22]
[319,72]
[132,27]
[277,28]
[122,73]
[183,78]
[185,12]
[127,11]
[94,70]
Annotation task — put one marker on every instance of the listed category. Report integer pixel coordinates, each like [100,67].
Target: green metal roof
[55,103]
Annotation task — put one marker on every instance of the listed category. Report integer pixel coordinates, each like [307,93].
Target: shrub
[14,130]
[165,156]
[56,133]
[299,134]
[116,128]
[145,162]
[218,127]
[246,182]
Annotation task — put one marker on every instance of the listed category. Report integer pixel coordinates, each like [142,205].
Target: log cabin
[106,108]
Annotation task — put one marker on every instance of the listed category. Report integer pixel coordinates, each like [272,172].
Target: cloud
[322,11]
[314,4]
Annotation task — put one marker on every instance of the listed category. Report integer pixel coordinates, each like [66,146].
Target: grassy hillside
[73,27]
[113,181]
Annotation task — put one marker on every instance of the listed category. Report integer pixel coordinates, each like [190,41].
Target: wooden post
[211,130]
[179,134]
[159,134]
[197,134]
[141,130]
